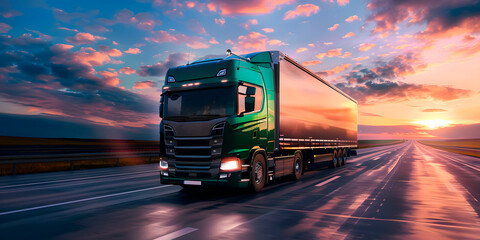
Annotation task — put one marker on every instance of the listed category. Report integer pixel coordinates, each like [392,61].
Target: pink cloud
[310,63]
[301,50]
[196,26]
[68,29]
[334,27]
[330,53]
[10,13]
[268,30]
[361,58]
[144,84]
[110,78]
[366,46]
[83,38]
[245,7]
[327,43]
[342,2]
[127,70]
[220,21]
[213,41]
[4,28]
[350,34]
[301,10]
[253,41]
[276,42]
[335,70]
[212,7]
[346,54]
[133,51]
[351,18]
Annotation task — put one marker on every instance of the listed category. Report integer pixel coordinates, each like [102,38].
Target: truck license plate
[186,182]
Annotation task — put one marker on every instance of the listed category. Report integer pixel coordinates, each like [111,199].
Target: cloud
[361,58]
[334,27]
[301,50]
[163,37]
[67,17]
[159,69]
[55,79]
[351,18]
[133,51]
[220,21]
[212,7]
[195,26]
[276,42]
[434,110]
[112,52]
[379,84]
[253,41]
[143,20]
[330,53]
[350,34]
[370,114]
[268,30]
[144,84]
[366,46]
[68,29]
[327,43]
[9,13]
[83,38]
[96,28]
[127,70]
[4,28]
[248,7]
[301,10]
[442,19]
[335,70]
[310,63]
[458,131]
[342,2]
[213,41]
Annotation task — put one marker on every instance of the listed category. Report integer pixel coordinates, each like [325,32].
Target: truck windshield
[198,105]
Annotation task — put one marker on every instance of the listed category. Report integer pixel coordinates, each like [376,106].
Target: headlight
[170,79]
[230,164]
[163,165]
[222,72]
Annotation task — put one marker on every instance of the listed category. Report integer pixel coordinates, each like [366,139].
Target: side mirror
[160,108]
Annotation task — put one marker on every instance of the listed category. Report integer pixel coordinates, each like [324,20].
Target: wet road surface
[404,191]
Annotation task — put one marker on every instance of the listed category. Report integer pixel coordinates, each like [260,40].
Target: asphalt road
[404,191]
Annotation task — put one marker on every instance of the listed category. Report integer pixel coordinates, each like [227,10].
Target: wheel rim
[258,173]
[297,166]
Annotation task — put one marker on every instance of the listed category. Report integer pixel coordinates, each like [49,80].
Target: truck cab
[215,115]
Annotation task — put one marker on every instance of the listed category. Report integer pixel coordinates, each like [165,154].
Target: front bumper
[234,180]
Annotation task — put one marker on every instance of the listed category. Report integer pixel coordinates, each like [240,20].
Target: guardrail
[18,159]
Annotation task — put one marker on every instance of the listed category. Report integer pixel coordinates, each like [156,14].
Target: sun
[435,124]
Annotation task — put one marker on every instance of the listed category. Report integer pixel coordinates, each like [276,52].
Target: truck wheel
[298,165]
[258,174]
[334,161]
[345,155]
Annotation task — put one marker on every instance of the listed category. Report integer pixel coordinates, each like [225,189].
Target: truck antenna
[188,58]
[230,53]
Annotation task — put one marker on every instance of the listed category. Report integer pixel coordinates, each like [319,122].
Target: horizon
[94,70]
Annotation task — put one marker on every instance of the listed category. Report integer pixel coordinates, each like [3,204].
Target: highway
[403,191]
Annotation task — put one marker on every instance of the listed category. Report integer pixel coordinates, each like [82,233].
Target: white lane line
[376,158]
[453,159]
[82,200]
[326,181]
[75,179]
[177,234]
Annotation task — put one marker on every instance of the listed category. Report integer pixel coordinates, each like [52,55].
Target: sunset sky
[93,69]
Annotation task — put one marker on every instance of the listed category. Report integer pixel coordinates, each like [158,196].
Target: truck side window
[245,101]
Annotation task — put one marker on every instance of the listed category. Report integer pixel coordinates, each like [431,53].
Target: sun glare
[435,124]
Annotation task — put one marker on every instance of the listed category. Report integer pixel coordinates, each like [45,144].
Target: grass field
[469,147]
[377,143]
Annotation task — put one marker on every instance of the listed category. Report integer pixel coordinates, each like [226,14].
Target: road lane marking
[177,234]
[74,179]
[376,158]
[81,200]
[326,181]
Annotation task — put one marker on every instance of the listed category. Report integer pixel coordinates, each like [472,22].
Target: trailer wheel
[297,165]
[258,174]
[334,161]
[345,155]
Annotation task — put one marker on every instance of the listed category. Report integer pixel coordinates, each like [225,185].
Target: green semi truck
[242,121]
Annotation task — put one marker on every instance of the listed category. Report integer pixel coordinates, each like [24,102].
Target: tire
[297,165]
[345,156]
[334,161]
[258,174]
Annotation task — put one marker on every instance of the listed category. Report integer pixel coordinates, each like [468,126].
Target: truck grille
[194,156]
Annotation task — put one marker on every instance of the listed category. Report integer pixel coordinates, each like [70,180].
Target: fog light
[230,164]
[224,175]
[165,173]
[163,165]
